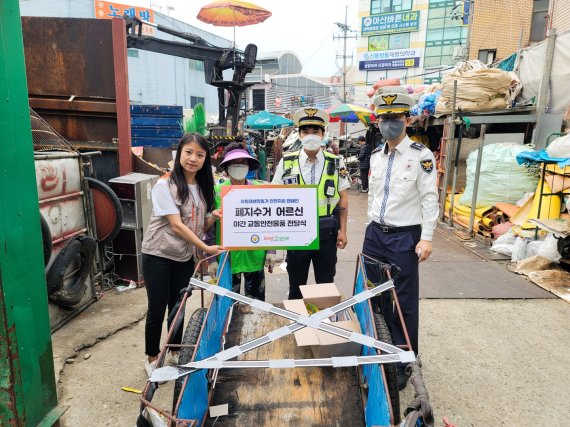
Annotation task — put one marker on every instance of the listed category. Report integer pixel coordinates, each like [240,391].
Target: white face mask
[311,142]
[238,172]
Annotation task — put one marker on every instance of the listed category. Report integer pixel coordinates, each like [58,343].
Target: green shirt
[241,261]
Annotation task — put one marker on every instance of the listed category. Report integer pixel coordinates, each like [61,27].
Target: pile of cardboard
[323,344]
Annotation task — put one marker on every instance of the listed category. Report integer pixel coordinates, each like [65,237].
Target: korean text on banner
[110,10]
[270,217]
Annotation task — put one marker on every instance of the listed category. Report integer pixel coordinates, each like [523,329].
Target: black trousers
[164,279]
[254,284]
[399,249]
[364,178]
[324,265]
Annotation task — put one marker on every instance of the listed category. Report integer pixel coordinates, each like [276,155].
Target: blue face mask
[391,129]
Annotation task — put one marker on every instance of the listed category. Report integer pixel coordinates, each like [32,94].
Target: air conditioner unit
[460,53]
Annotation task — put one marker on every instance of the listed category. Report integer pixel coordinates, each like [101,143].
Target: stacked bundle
[478,88]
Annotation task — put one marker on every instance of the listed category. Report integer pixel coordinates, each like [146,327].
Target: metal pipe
[544,88]
[448,151]
[59,198]
[476,179]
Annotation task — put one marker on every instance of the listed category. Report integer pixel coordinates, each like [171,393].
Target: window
[133,53]
[195,100]
[196,65]
[387,6]
[258,99]
[391,41]
[432,75]
[538,22]
[487,56]
[444,32]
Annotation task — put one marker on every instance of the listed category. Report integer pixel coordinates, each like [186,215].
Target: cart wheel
[190,337]
[390,369]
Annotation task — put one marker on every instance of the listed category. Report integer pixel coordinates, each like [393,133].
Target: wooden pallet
[283,397]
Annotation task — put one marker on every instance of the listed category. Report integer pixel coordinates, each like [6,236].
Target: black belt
[391,229]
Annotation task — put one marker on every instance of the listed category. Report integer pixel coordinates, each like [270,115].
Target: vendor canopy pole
[448,153]
[476,180]
[544,88]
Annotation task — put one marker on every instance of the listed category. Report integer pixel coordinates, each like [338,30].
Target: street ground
[494,346]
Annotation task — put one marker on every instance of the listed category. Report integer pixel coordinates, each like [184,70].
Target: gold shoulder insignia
[389,99]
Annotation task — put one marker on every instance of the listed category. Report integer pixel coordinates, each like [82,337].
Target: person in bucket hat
[402,210]
[314,166]
[237,163]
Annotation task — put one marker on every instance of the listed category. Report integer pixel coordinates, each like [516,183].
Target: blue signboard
[466,11]
[389,64]
[385,23]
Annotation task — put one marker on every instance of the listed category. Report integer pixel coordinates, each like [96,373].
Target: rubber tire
[191,334]
[390,369]
[95,183]
[46,240]
[70,294]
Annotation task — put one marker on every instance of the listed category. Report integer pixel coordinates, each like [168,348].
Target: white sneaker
[149,366]
[171,358]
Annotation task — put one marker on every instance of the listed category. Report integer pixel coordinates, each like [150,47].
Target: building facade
[496,35]
[153,78]
[559,15]
[280,87]
[418,40]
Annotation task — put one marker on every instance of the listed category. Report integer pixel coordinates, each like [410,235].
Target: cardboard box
[322,343]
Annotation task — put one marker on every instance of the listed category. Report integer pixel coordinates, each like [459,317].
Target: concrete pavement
[485,361]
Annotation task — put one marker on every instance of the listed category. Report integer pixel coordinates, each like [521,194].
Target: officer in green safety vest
[313,166]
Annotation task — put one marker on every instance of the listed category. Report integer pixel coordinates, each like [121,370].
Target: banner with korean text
[390,59]
[270,217]
[110,10]
[386,23]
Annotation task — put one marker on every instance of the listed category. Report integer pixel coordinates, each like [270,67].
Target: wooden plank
[283,397]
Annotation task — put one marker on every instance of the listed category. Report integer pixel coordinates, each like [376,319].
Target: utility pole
[345,29]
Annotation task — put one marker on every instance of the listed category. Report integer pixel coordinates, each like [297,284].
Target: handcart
[244,355]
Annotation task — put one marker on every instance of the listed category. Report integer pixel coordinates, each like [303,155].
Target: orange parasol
[232,13]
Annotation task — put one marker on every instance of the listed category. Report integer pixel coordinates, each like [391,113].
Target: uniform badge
[427,165]
[343,172]
[292,180]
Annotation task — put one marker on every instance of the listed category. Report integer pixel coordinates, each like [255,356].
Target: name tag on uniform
[330,191]
[291,180]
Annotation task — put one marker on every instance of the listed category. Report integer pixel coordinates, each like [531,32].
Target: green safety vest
[327,191]
[240,261]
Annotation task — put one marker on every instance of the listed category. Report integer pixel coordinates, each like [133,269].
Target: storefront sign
[389,59]
[110,10]
[399,22]
[389,64]
[270,217]
[378,43]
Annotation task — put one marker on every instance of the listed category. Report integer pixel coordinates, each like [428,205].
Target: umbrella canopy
[264,120]
[232,13]
[351,113]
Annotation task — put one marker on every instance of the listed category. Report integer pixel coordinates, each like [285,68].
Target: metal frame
[387,353]
[483,119]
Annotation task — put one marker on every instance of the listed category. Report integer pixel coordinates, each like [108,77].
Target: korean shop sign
[389,59]
[269,217]
[110,10]
[385,23]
